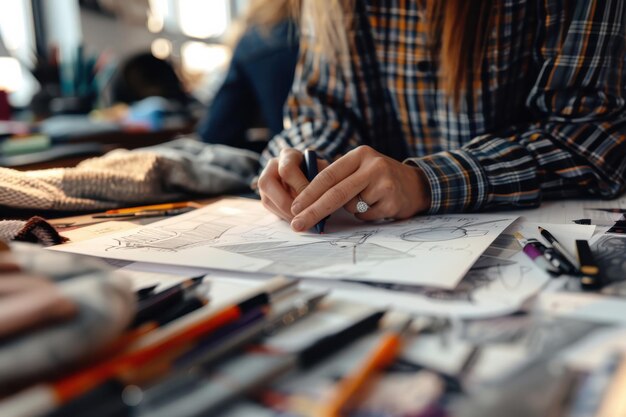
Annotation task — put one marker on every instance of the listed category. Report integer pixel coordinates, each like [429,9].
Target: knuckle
[338,195]
[364,150]
[263,181]
[327,177]
[379,163]
[311,213]
[388,186]
[289,154]
[299,188]
[284,169]
[390,209]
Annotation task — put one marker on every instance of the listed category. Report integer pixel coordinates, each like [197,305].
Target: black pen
[251,372]
[559,249]
[611,210]
[146,292]
[152,306]
[309,167]
[590,272]
[608,223]
[232,342]
[552,257]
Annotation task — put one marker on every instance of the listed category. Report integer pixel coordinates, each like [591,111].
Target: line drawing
[610,254]
[294,258]
[240,235]
[171,240]
[447,233]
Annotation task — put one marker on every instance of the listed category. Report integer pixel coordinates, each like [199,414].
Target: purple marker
[534,253]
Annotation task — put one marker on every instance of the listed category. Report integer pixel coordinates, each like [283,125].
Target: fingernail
[297,225]
[296,208]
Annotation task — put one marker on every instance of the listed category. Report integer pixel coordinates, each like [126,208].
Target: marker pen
[533,252]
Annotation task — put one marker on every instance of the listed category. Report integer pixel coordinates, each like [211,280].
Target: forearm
[542,160]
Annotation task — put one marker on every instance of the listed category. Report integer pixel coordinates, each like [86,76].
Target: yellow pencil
[167,206]
[380,358]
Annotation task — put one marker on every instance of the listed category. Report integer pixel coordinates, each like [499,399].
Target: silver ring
[361,206]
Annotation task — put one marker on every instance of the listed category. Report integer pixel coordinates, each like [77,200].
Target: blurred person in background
[258,80]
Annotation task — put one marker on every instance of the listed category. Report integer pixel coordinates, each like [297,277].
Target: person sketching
[258,79]
[432,106]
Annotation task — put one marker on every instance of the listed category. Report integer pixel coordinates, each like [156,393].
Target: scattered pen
[249,373]
[310,170]
[559,249]
[380,358]
[552,257]
[43,398]
[145,292]
[618,224]
[192,303]
[591,278]
[157,303]
[242,332]
[155,207]
[535,254]
[145,213]
[611,210]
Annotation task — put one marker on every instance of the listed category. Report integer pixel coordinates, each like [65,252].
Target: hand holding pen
[309,167]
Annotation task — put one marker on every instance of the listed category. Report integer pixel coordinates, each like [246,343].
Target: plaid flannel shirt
[546,117]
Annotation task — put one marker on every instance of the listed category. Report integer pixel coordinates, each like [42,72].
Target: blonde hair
[458,30]
[263,14]
[329,23]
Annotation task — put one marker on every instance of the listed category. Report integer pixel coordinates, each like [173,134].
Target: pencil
[42,398]
[83,381]
[167,206]
[380,358]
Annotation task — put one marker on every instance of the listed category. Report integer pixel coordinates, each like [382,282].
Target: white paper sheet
[566,211]
[97,230]
[592,351]
[240,235]
[590,307]
[493,287]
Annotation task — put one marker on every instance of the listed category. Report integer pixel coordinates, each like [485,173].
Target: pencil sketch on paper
[170,240]
[610,254]
[440,234]
[332,251]
[240,235]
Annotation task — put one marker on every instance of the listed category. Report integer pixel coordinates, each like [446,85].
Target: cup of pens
[71,80]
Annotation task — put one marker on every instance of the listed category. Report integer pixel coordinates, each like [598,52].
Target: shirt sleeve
[321,110]
[577,143]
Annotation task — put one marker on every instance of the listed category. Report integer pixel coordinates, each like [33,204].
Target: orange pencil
[155,346]
[83,381]
[41,399]
[154,207]
[380,358]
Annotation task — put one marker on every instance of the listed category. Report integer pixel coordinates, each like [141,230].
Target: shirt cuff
[457,181]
